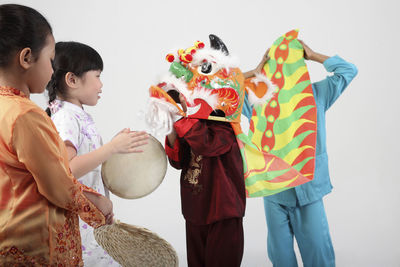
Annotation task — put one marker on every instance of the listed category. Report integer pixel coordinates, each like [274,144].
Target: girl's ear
[71,80]
[25,58]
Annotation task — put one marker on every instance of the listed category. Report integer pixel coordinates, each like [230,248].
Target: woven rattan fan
[131,245]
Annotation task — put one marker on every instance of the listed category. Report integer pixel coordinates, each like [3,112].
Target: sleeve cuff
[88,212]
[172,152]
[89,189]
[330,63]
[72,143]
[184,125]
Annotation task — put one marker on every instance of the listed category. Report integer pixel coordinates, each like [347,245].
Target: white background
[133,38]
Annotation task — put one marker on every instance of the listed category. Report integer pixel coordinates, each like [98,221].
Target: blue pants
[310,227]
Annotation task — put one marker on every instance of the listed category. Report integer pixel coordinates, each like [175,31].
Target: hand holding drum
[127,141]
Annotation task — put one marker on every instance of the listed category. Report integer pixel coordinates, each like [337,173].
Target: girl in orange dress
[40,200]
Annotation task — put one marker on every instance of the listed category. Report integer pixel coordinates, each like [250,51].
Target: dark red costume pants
[215,245]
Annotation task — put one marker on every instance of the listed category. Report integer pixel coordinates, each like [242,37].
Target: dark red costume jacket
[212,181]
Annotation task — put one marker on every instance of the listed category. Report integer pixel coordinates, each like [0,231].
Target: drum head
[136,175]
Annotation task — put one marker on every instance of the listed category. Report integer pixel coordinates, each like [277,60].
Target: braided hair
[72,57]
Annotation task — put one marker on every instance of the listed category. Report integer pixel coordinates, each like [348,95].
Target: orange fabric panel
[39,198]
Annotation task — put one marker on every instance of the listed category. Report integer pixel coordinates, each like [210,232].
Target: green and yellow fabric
[279,150]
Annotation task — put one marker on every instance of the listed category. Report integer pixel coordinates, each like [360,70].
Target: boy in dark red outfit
[203,144]
[212,190]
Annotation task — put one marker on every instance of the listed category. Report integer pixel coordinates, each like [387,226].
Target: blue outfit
[300,211]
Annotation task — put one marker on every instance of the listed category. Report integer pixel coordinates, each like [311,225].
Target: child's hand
[308,52]
[172,138]
[104,205]
[260,66]
[183,102]
[264,60]
[110,218]
[128,141]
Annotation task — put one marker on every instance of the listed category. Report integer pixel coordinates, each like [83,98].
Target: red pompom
[200,45]
[161,85]
[170,58]
[188,58]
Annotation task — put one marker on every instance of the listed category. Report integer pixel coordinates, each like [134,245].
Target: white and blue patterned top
[77,126]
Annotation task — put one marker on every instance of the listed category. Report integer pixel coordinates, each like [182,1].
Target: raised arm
[328,90]
[310,54]
[252,73]
[204,137]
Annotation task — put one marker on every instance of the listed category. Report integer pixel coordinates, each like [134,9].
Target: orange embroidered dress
[40,200]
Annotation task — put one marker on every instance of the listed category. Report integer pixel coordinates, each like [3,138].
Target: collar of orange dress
[10,91]
[185,55]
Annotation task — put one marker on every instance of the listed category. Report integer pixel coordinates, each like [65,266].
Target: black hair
[72,57]
[20,27]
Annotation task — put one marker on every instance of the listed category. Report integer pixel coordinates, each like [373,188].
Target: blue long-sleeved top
[325,93]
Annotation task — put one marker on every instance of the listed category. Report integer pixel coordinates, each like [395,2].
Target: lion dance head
[207,78]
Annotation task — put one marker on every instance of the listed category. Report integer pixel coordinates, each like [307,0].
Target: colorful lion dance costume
[279,150]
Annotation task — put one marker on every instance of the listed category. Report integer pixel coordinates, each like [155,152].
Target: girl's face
[40,72]
[89,88]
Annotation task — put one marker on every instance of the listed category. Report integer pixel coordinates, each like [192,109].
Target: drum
[136,175]
[131,246]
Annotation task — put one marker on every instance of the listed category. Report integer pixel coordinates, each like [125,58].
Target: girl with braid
[74,83]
